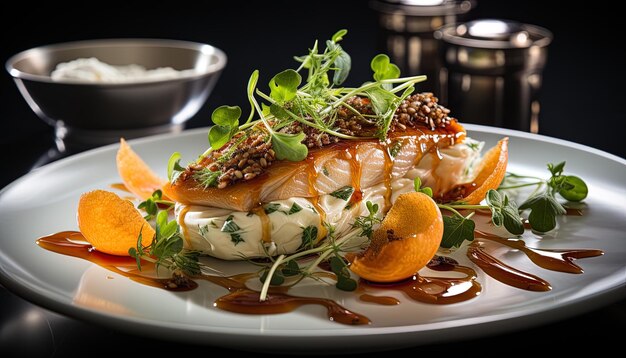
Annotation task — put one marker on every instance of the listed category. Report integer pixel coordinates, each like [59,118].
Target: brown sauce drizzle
[380,300]
[503,272]
[561,260]
[387,176]
[240,299]
[436,290]
[315,197]
[266,225]
[356,171]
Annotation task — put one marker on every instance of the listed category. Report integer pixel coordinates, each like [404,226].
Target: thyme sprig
[542,202]
[331,250]
[166,249]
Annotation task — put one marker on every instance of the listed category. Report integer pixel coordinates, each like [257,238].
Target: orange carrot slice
[491,172]
[406,240]
[110,223]
[137,176]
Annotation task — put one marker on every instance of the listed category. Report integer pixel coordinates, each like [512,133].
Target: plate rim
[198,333]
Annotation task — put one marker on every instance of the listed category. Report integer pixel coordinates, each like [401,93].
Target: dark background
[582,99]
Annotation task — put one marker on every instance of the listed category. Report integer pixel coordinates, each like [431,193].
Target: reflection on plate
[45,201]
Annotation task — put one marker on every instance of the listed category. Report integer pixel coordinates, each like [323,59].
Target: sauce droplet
[436,290]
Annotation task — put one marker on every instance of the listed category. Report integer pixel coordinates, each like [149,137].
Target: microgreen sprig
[314,103]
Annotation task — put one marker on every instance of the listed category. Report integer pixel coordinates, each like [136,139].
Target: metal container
[492,72]
[407,28]
[91,114]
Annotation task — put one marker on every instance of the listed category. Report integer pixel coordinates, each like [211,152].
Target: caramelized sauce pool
[436,290]
[240,299]
[550,259]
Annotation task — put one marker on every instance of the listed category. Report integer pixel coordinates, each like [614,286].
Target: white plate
[45,201]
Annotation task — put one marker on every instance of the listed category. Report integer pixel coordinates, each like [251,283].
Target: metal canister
[407,28]
[492,72]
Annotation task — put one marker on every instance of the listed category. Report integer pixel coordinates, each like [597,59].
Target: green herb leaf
[343,193]
[174,169]
[271,207]
[457,229]
[229,225]
[504,211]
[294,209]
[556,169]
[544,209]
[291,268]
[339,268]
[236,238]
[342,64]
[277,278]
[289,146]
[309,236]
[384,69]
[284,86]
[338,36]
[576,190]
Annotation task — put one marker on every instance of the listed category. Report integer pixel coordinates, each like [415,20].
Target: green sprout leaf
[289,146]
[417,185]
[338,36]
[252,81]
[226,124]
[575,189]
[384,69]
[284,86]
[174,169]
[457,229]
[367,223]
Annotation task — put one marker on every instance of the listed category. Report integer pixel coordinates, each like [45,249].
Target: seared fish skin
[359,163]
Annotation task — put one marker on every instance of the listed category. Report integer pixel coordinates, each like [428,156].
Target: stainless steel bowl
[99,113]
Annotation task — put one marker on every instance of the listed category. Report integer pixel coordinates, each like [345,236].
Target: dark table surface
[581,101]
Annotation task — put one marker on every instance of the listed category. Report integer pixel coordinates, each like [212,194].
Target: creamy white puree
[96,71]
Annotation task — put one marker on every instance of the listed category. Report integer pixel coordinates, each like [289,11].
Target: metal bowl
[99,113]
